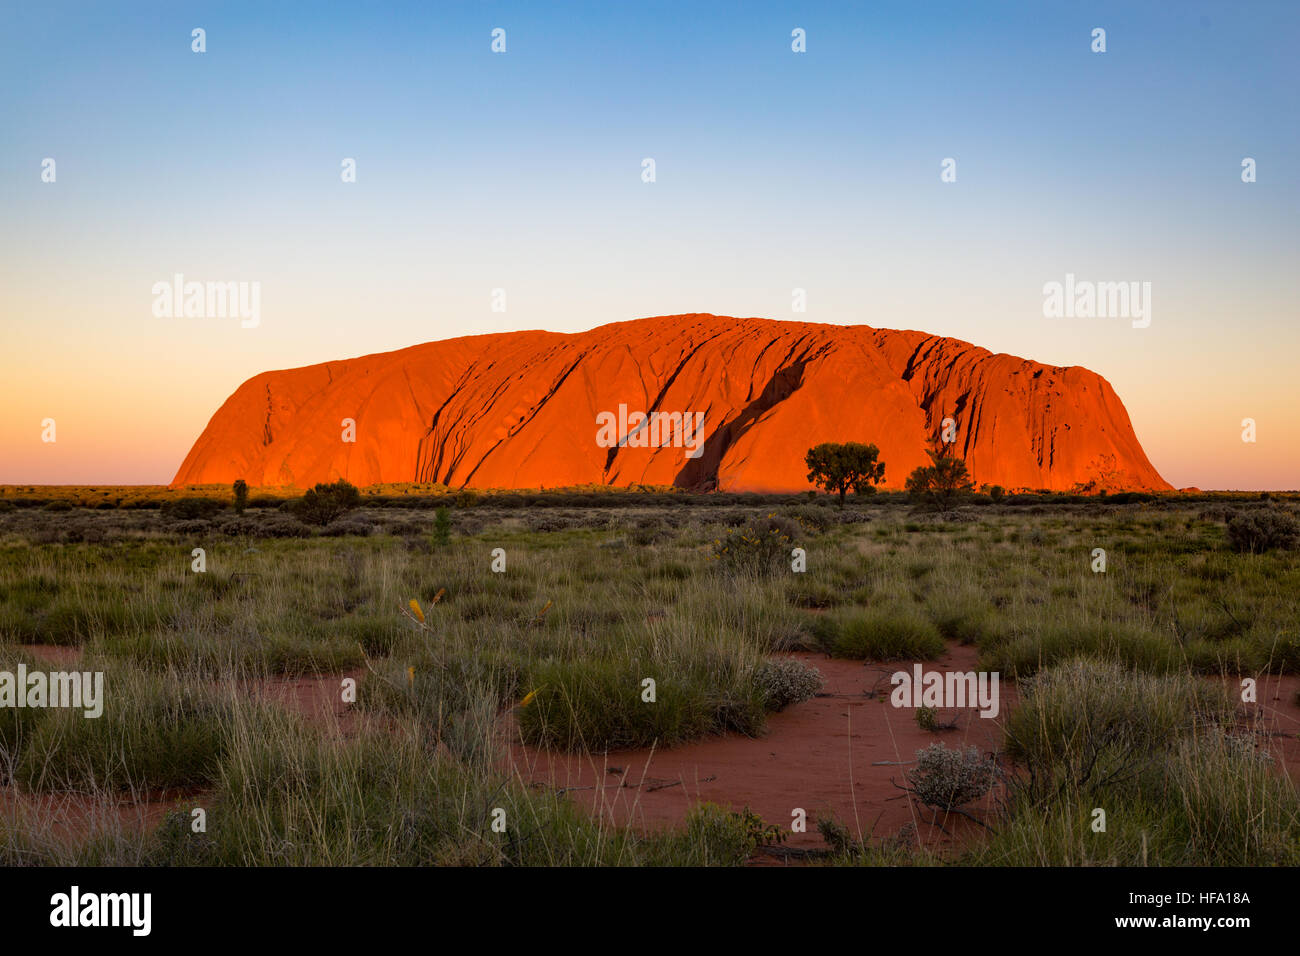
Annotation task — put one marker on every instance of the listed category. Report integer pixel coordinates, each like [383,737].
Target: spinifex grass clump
[388,797]
[458,698]
[1177,783]
[895,632]
[962,616]
[600,704]
[17,724]
[155,731]
[1024,649]
[384,798]
[67,611]
[1085,723]
[1209,799]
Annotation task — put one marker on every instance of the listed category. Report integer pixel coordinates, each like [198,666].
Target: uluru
[537,409]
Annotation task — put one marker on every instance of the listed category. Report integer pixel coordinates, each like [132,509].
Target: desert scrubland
[461,679]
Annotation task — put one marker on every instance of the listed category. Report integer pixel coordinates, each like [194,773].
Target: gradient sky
[521,170]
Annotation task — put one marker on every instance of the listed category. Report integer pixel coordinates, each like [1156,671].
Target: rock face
[524,410]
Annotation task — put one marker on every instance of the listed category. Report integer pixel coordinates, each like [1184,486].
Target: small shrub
[947,779]
[469,526]
[1022,651]
[180,527]
[812,518]
[927,718]
[761,547]
[724,838]
[585,704]
[837,835]
[643,537]
[238,527]
[190,509]
[1254,532]
[786,682]
[547,523]
[348,525]
[280,526]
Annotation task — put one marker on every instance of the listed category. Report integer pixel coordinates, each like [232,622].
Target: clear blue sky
[521,171]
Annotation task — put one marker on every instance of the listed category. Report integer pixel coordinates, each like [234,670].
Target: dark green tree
[241,496]
[441,527]
[838,467]
[325,502]
[940,484]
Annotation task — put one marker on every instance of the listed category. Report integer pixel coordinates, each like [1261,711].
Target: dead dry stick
[857,822]
[971,817]
[796,853]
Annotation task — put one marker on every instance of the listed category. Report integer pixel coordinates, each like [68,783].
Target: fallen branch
[796,853]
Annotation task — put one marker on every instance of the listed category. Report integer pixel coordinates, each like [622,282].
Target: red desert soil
[317,698]
[519,410]
[836,753]
[1276,717]
[58,654]
[68,817]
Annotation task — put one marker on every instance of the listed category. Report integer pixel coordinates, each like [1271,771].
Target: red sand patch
[833,754]
[1275,716]
[318,698]
[70,817]
[59,654]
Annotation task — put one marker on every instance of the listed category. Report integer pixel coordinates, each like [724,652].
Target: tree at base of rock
[325,502]
[940,484]
[838,467]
